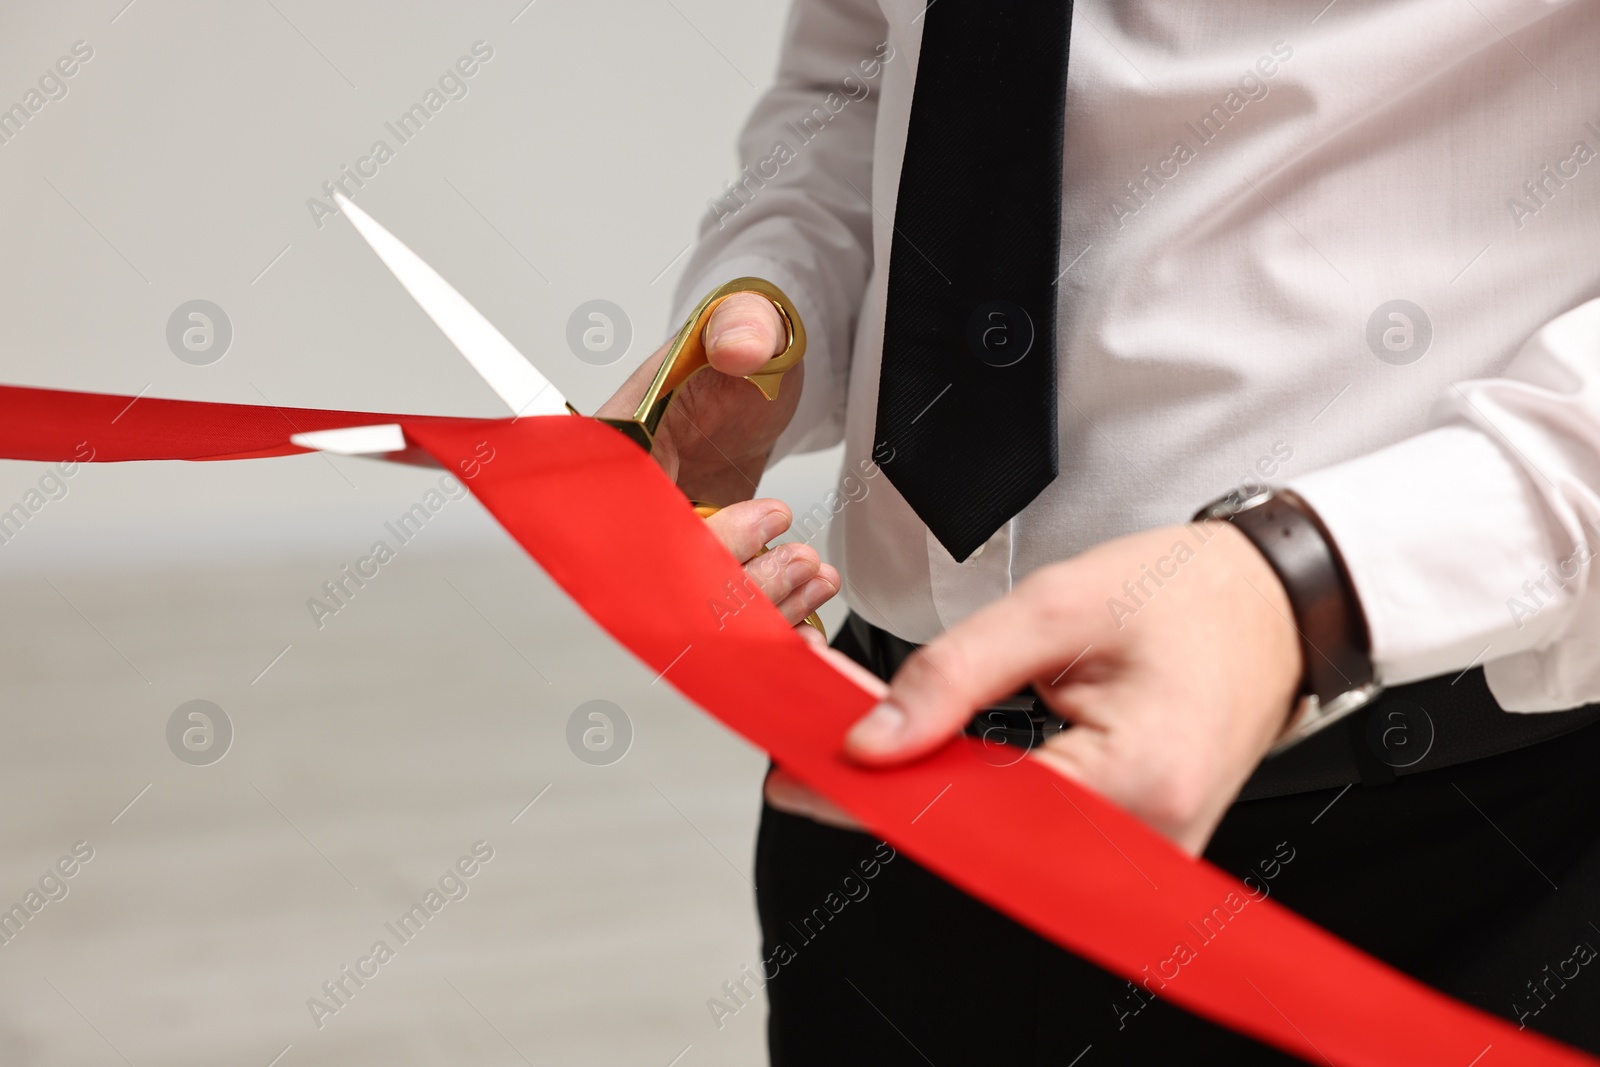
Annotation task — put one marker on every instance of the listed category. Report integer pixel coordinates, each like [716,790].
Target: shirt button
[978,551]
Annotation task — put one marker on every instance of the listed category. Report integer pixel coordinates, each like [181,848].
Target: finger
[1171,799]
[992,654]
[744,332]
[811,595]
[853,671]
[745,528]
[624,401]
[780,574]
[787,793]
[812,635]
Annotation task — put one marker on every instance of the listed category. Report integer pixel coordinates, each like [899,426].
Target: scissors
[519,384]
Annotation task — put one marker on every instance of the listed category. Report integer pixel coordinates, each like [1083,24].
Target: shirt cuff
[1448,549]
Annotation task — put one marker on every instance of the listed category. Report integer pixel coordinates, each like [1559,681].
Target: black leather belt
[1409,729]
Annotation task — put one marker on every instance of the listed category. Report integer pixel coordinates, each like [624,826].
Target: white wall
[179,164]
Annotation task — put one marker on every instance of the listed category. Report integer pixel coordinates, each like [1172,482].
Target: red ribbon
[52,425]
[1062,860]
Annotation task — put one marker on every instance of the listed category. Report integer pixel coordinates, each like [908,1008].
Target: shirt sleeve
[1470,543]
[797,213]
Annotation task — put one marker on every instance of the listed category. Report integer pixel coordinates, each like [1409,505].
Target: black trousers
[1481,879]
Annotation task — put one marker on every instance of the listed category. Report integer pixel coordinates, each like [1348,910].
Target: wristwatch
[1339,676]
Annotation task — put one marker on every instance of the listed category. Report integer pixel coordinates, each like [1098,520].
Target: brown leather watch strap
[1327,612]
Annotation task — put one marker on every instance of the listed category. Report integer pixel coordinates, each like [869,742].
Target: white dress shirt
[1248,186]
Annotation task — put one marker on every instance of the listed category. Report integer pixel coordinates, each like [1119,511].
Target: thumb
[988,656]
[744,332]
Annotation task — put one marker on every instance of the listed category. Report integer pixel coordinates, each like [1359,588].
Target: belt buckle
[1020,720]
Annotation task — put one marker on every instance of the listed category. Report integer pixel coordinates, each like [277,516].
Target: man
[1350,250]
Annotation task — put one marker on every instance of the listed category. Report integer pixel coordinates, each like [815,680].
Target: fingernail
[798,571]
[733,335]
[816,592]
[774,524]
[879,729]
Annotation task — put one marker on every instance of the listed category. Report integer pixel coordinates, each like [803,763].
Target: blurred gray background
[432,712]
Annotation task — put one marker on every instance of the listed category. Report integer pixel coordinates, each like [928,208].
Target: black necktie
[967,396]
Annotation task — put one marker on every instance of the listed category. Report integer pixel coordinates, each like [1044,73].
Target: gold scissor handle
[705,511]
[687,357]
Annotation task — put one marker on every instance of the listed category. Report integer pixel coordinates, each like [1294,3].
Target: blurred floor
[367,759]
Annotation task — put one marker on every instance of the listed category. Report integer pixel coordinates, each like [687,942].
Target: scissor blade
[505,370]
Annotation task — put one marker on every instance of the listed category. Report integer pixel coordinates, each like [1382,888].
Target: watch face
[1241,499]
